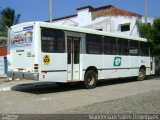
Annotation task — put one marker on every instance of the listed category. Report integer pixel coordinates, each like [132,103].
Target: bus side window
[110,46]
[123,47]
[144,49]
[94,44]
[134,48]
[52,40]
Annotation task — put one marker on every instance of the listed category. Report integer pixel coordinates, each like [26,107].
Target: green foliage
[7,19]
[151,33]
[156,31]
[3,41]
[144,30]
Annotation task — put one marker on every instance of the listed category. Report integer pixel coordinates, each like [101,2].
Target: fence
[3,65]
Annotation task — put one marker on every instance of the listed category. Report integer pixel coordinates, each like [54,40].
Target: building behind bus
[105,18]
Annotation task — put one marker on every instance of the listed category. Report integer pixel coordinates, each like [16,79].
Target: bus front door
[73,50]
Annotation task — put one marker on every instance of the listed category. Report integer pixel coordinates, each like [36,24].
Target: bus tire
[90,80]
[141,75]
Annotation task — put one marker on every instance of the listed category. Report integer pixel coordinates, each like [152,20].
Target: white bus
[49,52]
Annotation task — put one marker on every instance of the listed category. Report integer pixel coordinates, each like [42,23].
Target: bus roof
[77,29]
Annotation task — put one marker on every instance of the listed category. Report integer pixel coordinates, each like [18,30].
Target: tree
[7,19]
[151,33]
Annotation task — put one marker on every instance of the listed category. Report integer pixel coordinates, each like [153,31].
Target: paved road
[108,97]
[146,103]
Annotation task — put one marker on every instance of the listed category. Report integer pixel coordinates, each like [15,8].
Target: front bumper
[23,75]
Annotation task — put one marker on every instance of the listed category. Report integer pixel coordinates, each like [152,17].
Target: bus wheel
[90,80]
[141,75]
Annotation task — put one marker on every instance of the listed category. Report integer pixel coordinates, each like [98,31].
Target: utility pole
[110,17]
[50,4]
[145,10]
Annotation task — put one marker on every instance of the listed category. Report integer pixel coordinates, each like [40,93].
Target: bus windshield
[22,38]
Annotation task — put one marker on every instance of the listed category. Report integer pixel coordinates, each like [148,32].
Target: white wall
[106,23]
[63,21]
[113,24]
[121,20]
[84,17]
[99,23]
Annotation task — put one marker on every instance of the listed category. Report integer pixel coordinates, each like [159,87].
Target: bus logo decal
[46,59]
[117,61]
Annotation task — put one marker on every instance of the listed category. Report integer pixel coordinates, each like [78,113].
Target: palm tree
[7,19]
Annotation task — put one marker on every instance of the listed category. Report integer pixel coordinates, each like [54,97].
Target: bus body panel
[22,62]
[22,55]
[111,70]
[56,69]
[90,60]
[21,58]
[146,61]
[134,65]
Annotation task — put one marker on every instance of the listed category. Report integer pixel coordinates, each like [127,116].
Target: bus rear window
[52,40]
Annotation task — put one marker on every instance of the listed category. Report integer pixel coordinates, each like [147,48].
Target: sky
[38,10]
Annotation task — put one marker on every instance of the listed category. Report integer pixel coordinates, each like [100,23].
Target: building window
[125,27]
